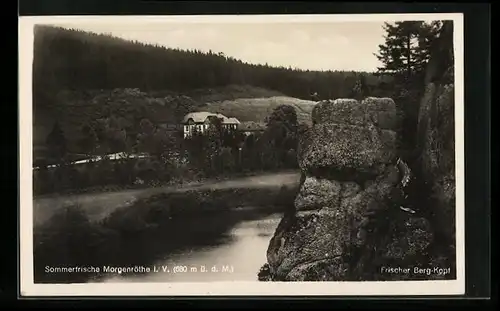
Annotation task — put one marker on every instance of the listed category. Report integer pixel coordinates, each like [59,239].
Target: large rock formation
[349,222]
[381,111]
[436,140]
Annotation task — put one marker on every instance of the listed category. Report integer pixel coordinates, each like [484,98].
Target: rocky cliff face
[436,140]
[350,221]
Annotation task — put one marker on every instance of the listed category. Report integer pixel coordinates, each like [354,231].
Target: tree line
[68,59]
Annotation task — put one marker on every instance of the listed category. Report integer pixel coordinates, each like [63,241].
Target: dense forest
[68,59]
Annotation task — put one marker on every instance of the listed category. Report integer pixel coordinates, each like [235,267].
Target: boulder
[321,193]
[380,111]
[409,238]
[341,110]
[313,237]
[343,212]
[347,148]
[316,193]
[437,153]
[436,138]
[398,240]
[323,246]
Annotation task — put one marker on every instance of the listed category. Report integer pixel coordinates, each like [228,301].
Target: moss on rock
[379,111]
[347,147]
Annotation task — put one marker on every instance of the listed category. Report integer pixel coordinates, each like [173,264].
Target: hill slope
[230,92]
[74,109]
[258,109]
[112,78]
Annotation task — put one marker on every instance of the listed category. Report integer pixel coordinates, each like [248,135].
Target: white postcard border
[413,288]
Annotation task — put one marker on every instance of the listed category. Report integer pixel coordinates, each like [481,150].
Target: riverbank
[99,205]
[176,182]
[147,230]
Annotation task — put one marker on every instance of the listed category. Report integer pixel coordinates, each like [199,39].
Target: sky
[306,45]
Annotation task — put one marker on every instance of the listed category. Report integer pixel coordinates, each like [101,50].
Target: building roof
[201,116]
[198,117]
[232,121]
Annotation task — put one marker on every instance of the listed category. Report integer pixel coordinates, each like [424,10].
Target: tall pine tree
[406,49]
[404,55]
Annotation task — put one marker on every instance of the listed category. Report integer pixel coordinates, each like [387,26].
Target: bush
[264,273]
[69,239]
[42,181]
[228,161]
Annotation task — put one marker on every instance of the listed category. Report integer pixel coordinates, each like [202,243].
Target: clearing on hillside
[258,109]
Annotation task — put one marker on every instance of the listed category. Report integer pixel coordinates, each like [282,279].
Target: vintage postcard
[241,155]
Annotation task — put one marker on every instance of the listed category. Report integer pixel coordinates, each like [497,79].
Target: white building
[200,121]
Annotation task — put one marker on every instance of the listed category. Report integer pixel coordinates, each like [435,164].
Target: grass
[185,180]
[231,92]
[147,230]
[258,109]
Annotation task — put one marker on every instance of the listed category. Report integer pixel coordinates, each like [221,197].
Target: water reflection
[237,255]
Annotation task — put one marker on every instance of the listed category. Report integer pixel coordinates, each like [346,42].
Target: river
[236,256]
[229,243]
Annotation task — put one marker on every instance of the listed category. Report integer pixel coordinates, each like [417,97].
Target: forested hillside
[77,60]
[79,77]
[95,94]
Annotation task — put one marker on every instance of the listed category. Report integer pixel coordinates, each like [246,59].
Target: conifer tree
[406,49]
[404,55]
[56,143]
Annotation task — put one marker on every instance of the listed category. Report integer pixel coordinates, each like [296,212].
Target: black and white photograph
[182,155]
